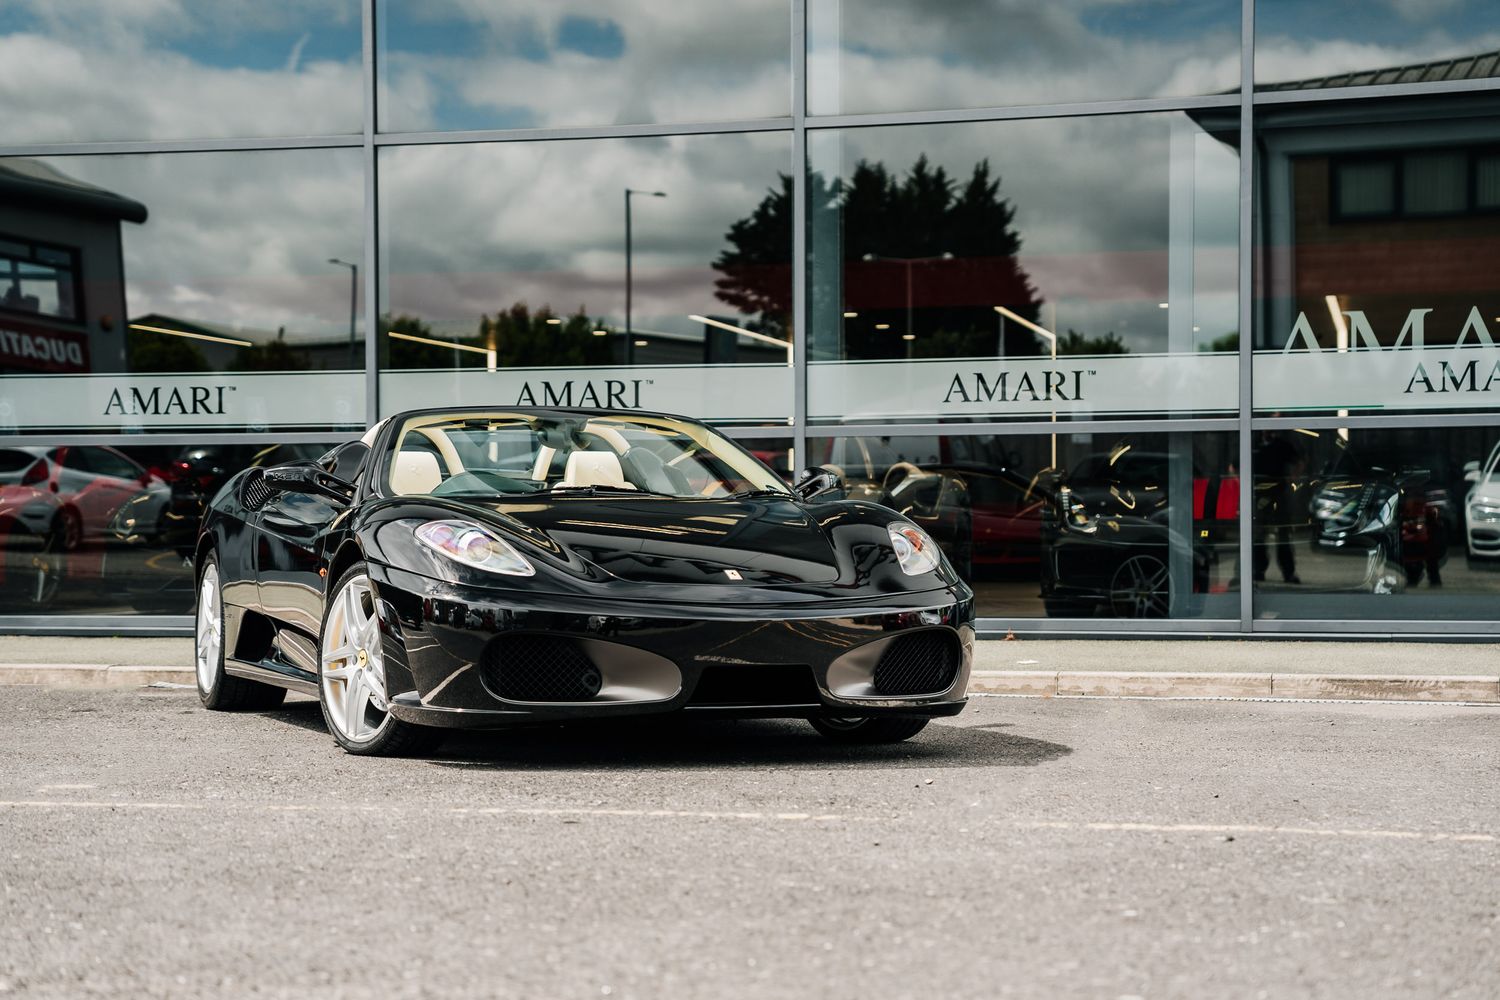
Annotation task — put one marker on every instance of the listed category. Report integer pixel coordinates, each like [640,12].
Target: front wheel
[892,729]
[351,681]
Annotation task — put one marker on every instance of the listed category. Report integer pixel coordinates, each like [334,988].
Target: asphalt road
[1028,848]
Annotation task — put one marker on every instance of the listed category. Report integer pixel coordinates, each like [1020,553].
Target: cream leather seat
[415,473]
[595,468]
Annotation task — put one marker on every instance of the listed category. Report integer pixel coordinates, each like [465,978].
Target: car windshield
[484,454]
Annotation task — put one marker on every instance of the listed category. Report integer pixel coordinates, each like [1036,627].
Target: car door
[288,554]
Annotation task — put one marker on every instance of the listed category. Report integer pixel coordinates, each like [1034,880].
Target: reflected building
[1152,325]
[62,272]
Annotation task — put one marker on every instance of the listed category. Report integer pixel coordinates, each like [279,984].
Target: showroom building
[1160,316]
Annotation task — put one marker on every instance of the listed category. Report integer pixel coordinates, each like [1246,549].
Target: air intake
[254,493]
[539,668]
[917,663]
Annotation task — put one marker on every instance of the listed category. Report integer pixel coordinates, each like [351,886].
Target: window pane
[1369,303]
[1066,525]
[1359,524]
[522,64]
[1350,43]
[1435,183]
[1367,188]
[96,530]
[1008,269]
[523,293]
[1487,181]
[906,55]
[105,70]
[190,276]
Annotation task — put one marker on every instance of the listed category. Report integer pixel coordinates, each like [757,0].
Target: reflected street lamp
[629,336]
[354,359]
[1051,338]
[910,334]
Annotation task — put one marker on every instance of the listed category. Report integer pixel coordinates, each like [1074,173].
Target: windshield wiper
[596,489]
[756,494]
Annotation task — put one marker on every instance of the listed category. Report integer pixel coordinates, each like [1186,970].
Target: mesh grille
[540,668]
[254,493]
[917,663]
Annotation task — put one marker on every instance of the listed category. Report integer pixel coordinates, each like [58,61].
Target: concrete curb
[1320,687]
[1030,683]
[91,675]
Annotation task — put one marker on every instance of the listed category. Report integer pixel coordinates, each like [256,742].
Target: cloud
[544,224]
[238,239]
[511,64]
[160,69]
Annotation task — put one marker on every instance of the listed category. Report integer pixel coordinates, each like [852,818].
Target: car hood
[662,540]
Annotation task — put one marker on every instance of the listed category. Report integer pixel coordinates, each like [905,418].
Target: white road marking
[452,810]
[1236,828]
[787,817]
[62,788]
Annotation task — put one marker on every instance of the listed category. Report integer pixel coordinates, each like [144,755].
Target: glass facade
[1160,315]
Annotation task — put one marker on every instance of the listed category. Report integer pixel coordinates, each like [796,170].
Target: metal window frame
[798,430]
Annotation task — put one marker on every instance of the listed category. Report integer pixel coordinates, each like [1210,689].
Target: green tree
[519,338]
[1074,342]
[955,243]
[272,356]
[156,352]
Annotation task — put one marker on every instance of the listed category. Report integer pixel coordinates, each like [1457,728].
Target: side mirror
[816,482]
[1471,472]
[306,479]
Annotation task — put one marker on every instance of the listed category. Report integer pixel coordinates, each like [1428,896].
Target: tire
[216,689]
[351,675]
[887,729]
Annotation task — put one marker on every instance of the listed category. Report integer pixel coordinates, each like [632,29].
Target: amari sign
[1362,374]
[1074,386]
[228,400]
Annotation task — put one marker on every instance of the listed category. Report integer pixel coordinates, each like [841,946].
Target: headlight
[1484,511]
[468,543]
[915,550]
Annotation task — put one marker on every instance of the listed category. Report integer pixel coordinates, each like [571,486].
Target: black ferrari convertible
[482,568]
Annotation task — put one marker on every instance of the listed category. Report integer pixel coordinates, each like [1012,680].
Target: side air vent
[917,663]
[254,493]
[540,668]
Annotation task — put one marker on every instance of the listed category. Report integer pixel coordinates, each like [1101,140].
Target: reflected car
[28,502]
[466,567]
[1394,522]
[1482,510]
[1109,544]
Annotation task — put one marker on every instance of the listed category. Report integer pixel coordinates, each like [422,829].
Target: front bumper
[663,658]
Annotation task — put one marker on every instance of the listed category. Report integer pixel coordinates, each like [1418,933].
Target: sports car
[476,568]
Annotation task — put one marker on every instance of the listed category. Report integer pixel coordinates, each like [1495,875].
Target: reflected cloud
[96,70]
[519,64]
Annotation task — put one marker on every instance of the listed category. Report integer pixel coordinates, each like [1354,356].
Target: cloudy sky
[243,238]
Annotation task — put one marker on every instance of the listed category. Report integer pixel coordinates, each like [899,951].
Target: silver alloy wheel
[353,677]
[210,632]
[1141,589]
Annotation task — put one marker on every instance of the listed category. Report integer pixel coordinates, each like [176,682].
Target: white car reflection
[1482,508]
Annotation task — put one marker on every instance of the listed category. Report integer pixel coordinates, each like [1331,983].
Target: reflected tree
[519,338]
[156,352]
[1074,342]
[919,248]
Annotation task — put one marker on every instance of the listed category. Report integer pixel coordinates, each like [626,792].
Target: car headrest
[595,468]
[415,473]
